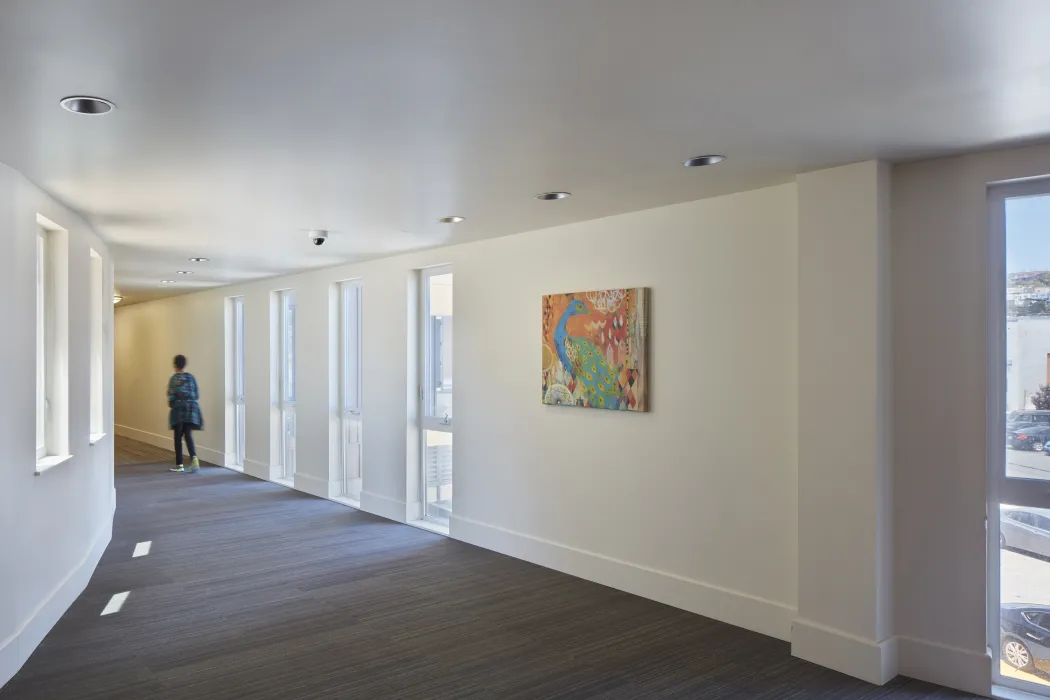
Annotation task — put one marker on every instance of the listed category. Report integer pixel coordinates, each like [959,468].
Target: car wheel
[1017,655]
[1037,447]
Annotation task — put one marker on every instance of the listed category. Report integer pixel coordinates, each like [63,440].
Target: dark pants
[184,430]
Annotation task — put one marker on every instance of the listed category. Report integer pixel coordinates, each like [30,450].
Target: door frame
[426,421]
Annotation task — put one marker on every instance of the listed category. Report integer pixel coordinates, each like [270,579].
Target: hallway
[252,590]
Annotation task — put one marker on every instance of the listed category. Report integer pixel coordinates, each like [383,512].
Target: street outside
[1027,465]
[1025,578]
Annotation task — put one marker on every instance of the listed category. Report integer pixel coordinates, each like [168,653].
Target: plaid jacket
[182,400]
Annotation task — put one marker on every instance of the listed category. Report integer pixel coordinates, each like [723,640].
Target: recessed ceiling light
[82,104]
[117,299]
[450,219]
[546,196]
[185,272]
[167,281]
[198,259]
[700,161]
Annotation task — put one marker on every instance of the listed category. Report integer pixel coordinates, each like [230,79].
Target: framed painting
[595,349]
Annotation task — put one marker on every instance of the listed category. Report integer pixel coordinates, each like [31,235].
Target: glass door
[350,390]
[1019,437]
[287,403]
[436,393]
[238,381]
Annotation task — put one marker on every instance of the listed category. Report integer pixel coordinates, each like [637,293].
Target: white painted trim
[344,501]
[946,665]
[16,649]
[872,661]
[384,507]
[999,691]
[95,438]
[734,607]
[429,526]
[166,442]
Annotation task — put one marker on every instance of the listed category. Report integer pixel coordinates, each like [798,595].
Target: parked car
[1025,529]
[1032,437]
[1025,636]
[1021,419]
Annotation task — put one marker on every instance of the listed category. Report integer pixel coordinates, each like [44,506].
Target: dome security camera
[318,237]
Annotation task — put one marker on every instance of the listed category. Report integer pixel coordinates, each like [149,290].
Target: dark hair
[180,362]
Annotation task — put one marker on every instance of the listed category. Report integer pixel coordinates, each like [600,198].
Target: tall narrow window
[99,301]
[287,384]
[52,347]
[1019,433]
[235,338]
[350,388]
[42,337]
[436,394]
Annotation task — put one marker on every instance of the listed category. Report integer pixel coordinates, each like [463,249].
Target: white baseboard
[867,659]
[735,607]
[382,506]
[16,649]
[933,662]
[167,442]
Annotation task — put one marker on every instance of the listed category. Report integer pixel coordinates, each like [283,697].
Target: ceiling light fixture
[548,196]
[198,259]
[167,281]
[700,161]
[82,104]
[185,272]
[117,299]
[450,219]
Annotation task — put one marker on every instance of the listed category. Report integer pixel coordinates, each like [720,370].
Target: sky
[1028,234]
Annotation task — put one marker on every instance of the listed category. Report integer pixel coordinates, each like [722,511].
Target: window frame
[52,404]
[99,299]
[1002,489]
[42,304]
[238,360]
[428,422]
[286,338]
[429,363]
[350,294]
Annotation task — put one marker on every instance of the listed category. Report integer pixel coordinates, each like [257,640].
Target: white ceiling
[241,122]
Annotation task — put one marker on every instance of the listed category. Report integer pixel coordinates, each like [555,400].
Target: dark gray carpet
[256,591]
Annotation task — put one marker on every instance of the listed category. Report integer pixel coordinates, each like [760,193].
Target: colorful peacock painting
[595,349]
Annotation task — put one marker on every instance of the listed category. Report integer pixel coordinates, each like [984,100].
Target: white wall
[53,527]
[643,502]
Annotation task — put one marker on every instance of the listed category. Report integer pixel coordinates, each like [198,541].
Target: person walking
[185,416]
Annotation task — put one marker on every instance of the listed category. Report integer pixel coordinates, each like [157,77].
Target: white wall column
[315,369]
[845,587]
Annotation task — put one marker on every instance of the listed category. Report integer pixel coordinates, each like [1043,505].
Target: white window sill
[429,526]
[345,501]
[97,437]
[999,691]
[50,462]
